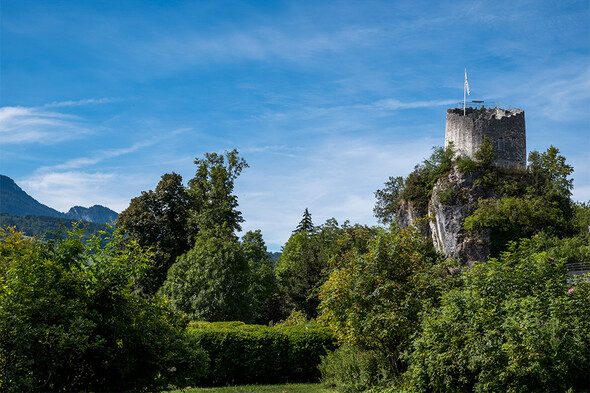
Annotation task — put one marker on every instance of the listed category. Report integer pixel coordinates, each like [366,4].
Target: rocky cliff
[96,213]
[453,199]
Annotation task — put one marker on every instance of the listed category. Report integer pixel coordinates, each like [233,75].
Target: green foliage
[485,156]
[243,354]
[350,369]
[211,191]
[466,165]
[210,281]
[512,218]
[530,201]
[418,185]
[374,296]
[42,225]
[263,289]
[70,321]
[517,325]
[552,171]
[569,249]
[302,267]
[168,219]
[283,388]
[388,200]
[305,225]
[158,220]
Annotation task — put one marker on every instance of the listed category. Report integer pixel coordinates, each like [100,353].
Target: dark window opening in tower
[501,144]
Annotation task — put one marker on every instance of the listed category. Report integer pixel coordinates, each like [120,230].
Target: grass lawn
[289,388]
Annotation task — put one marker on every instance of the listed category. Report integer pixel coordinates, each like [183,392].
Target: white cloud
[98,157]
[62,190]
[392,104]
[335,179]
[34,125]
[89,101]
[253,44]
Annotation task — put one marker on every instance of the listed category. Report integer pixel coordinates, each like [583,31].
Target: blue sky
[324,99]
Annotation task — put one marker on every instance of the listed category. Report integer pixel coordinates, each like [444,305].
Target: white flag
[467,83]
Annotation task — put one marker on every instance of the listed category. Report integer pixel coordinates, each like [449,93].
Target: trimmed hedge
[255,354]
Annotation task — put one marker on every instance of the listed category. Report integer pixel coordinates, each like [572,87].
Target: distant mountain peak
[96,213]
[13,200]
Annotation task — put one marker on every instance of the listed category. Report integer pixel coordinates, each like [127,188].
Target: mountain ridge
[14,200]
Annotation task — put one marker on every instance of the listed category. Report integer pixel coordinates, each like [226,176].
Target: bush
[248,354]
[519,324]
[466,165]
[70,321]
[373,297]
[350,369]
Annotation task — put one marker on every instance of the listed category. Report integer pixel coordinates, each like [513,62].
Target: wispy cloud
[89,101]
[103,155]
[392,104]
[336,178]
[20,124]
[35,125]
[255,44]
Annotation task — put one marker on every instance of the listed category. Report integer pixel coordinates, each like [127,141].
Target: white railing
[578,268]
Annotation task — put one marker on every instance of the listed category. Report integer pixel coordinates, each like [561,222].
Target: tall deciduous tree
[211,191]
[388,200]
[158,220]
[375,292]
[211,281]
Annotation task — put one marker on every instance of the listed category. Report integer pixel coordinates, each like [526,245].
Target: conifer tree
[305,225]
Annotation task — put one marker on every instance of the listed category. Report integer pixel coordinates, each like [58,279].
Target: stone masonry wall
[505,129]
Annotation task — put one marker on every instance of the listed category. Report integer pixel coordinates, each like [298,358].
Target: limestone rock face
[453,199]
[406,214]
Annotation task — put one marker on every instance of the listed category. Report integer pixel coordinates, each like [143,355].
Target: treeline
[41,225]
[125,311]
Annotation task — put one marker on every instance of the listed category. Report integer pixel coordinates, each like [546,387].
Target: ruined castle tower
[504,127]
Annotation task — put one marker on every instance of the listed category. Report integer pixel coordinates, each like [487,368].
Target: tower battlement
[504,127]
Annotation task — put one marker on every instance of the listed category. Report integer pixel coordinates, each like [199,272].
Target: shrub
[350,369]
[373,297]
[70,321]
[519,324]
[247,354]
[466,165]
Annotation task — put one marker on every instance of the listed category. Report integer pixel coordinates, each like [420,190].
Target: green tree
[529,201]
[211,191]
[301,269]
[305,225]
[168,219]
[417,187]
[263,290]
[388,200]
[210,282]
[158,220]
[70,320]
[551,168]
[374,295]
[485,156]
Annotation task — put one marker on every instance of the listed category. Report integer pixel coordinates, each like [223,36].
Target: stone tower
[504,127]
